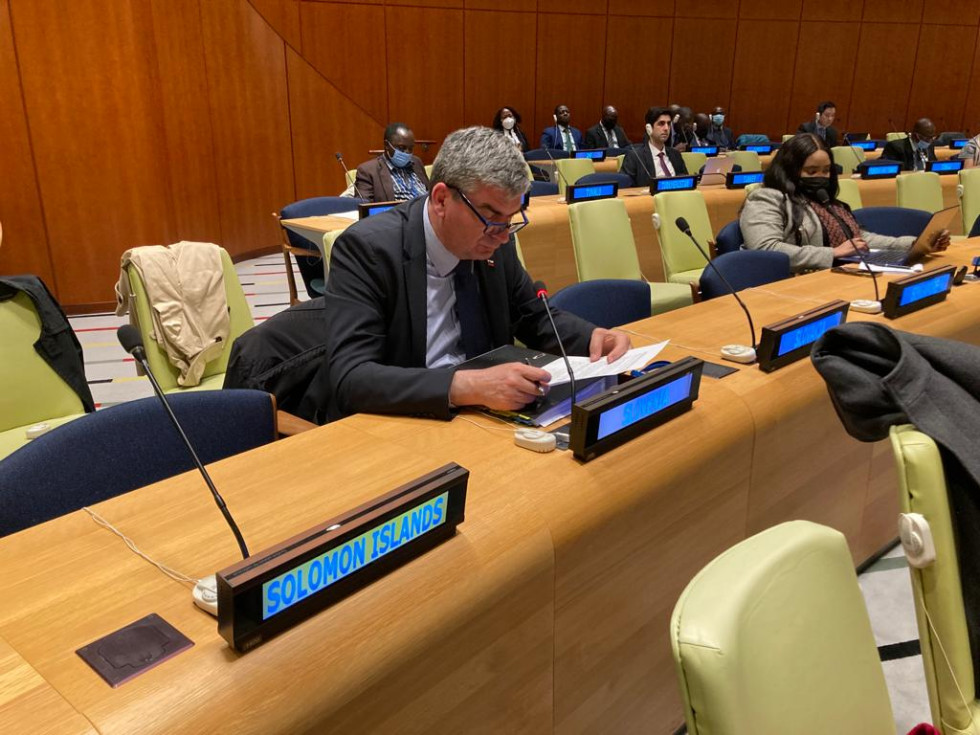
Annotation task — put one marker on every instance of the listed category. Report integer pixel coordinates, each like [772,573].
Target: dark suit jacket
[811,127]
[595,137]
[373,181]
[721,137]
[903,150]
[633,169]
[376,334]
[548,138]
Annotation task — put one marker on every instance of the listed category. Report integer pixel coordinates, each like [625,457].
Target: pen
[527,361]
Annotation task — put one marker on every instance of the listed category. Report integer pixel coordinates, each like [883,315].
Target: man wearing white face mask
[916,149]
[395,175]
[718,134]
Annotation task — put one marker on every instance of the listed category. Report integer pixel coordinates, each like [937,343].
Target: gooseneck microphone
[343,167]
[542,293]
[557,170]
[735,353]
[131,341]
[639,159]
[824,198]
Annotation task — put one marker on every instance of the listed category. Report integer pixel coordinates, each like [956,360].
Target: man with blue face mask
[718,134]
[913,152]
[396,175]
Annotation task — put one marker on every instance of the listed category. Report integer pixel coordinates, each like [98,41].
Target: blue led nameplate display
[790,340]
[925,289]
[596,154]
[708,150]
[865,145]
[369,210]
[880,171]
[591,192]
[945,167]
[741,179]
[674,183]
[958,143]
[917,291]
[627,414]
[806,335]
[762,150]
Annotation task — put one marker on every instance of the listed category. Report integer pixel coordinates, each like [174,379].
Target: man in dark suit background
[395,175]
[654,158]
[718,134]
[562,136]
[418,289]
[822,124]
[915,150]
[607,133]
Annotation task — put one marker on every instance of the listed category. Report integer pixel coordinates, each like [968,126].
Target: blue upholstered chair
[110,452]
[893,221]
[543,189]
[306,253]
[606,302]
[603,177]
[540,154]
[975,230]
[744,269]
[729,238]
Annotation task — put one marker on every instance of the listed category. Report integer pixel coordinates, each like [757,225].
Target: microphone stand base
[738,353]
[866,306]
[206,594]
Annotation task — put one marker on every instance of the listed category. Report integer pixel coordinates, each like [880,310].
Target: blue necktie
[474,332]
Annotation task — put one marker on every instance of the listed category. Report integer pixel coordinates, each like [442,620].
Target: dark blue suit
[548,138]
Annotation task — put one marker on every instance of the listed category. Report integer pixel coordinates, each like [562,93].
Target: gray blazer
[766,224]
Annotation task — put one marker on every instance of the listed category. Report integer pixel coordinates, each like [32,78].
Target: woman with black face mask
[797,212]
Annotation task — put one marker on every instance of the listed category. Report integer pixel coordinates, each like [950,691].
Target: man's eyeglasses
[493,228]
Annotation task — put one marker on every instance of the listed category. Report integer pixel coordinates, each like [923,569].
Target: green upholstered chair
[748,160]
[895,136]
[751,187]
[329,238]
[214,373]
[849,192]
[968,192]
[30,391]
[919,190]
[936,588]
[602,239]
[694,161]
[619,162]
[572,170]
[682,261]
[773,637]
[788,136]
[520,253]
[847,157]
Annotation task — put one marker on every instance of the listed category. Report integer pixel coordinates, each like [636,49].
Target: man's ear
[438,196]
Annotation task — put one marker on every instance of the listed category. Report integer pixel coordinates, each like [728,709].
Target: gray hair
[480,156]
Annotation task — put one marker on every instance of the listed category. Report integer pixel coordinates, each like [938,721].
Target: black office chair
[600,177]
[893,221]
[606,302]
[743,269]
[125,447]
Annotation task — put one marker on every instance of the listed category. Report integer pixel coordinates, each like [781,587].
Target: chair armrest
[290,425]
[695,292]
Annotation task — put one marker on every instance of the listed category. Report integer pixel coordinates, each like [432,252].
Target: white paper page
[635,359]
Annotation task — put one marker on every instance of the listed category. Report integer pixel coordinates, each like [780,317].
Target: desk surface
[548,611]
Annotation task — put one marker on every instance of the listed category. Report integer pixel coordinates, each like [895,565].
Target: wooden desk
[549,610]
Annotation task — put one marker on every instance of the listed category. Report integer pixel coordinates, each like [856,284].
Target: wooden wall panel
[337,41]
[425,81]
[768,10]
[629,57]
[952,12]
[283,16]
[882,81]
[701,63]
[102,173]
[761,89]
[650,8]
[498,73]
[933,72]
[971,113]
[588,7]
[246,62]
[821,76]
[25,243]
[888,11]
[838,10]
[566,78]
[512,5]
[706,9]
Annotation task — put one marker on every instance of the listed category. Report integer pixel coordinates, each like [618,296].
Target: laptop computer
[940,221]
[714,171]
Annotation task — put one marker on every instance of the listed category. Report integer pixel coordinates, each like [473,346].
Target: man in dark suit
[416,290]
[717,133]
[395,175]
[915,150]
[561,136]
[822,123]
[654,158]
[607,133]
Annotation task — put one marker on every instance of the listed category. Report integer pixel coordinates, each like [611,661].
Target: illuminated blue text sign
[946,166]
[598,191]
[864,145]
[959,143]
[925,289]
[747,177]
[762,149]
[807,334]
[371,211]
[626,414]
[884,170]
[318,573]
[597,155]
[676,183]
[708,150]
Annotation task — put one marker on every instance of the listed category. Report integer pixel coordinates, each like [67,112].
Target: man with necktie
[654,158]
[561,136]
[608,133]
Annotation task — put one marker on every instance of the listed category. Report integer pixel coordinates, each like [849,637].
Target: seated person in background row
[913,152]
[700,128]
[682,129]
[607,133]
[786,215]
[396,174]
[418,289]
[971,153]
[717,133]
[561,136]
[507,120]
[822,124]
[654,158]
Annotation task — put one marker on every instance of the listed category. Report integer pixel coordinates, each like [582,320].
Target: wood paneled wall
[128,122]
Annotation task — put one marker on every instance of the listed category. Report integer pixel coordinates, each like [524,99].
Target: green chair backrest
[329,238]
[428,170]
[30,391]
[849,192]
[920,190]
[937,588]
[573,169]
[694,161]
[748,160]
[969,194]
[682,261]
[530,173]
[238,313]
[752,187]
[895,136]
[773,637]
[602,238]
[619,162]
[788,136]
[847,157]
[351,176]
[520,253]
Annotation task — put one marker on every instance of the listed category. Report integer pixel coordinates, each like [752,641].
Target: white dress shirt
[442,333]
[657,168]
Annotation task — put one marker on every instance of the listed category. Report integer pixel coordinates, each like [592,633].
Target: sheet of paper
[635,359]
[347,215]
[917,268]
